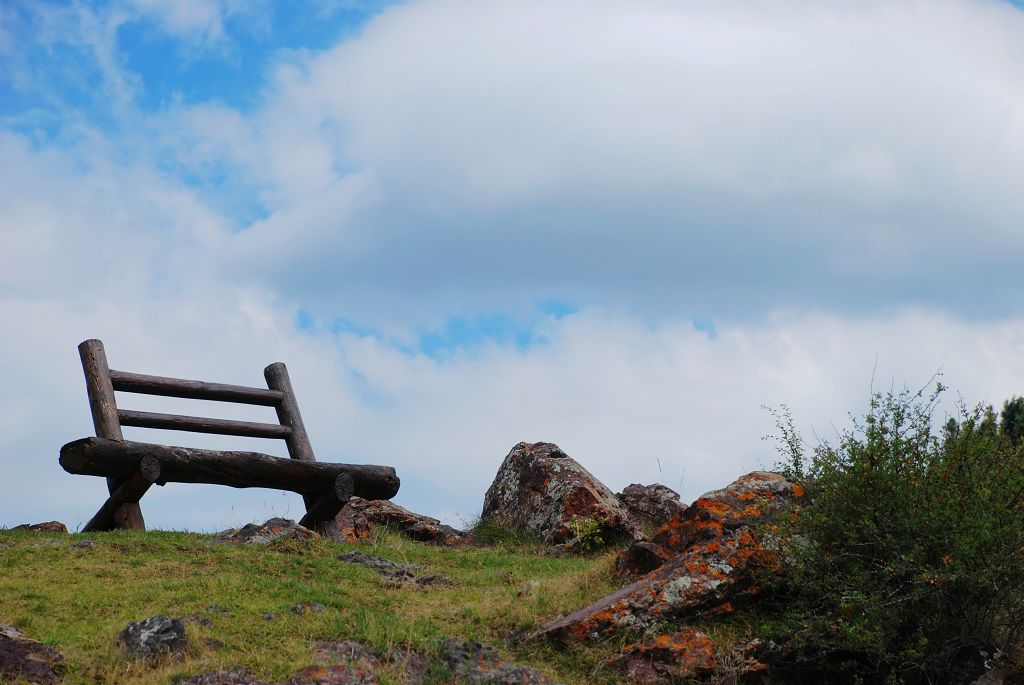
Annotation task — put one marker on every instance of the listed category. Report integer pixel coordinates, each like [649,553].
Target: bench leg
[130,491]
[320,516]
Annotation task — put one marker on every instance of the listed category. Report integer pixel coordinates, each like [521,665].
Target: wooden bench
[132,467]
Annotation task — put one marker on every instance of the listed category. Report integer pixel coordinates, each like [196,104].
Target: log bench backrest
[101,382]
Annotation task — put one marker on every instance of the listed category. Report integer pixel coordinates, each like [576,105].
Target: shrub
[910,554]
[587,534]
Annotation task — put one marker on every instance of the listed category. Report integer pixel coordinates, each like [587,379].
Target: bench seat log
[130,491]
[197,424]
[125,381]
[120,459]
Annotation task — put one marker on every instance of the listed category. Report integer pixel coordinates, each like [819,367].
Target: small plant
[909,554]
[586,534]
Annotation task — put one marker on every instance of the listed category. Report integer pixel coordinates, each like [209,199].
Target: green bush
[909,556]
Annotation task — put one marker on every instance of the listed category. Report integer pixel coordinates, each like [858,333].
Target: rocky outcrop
[25,660]
[154,636]
[651,506]
[541,490]
[359,515]
[262,534]
[707,577]
[750,499]
[47,527]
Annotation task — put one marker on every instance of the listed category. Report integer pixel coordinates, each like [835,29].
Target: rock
[153,636]
[25,660]
[268,616]
[651,505]
[82,544]
[240,677]
[476,662]
[274,529]
[706,577]
[333,675]
[750,499]
[393,571]
[684,655]
[540,490]
[414,665]
[415,526]
[307,607]
[48,527]
[353,526]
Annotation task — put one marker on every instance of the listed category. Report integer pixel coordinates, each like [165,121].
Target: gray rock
[478,663]
[240,677]
[393,571]
[261,534]
[153,636]
[651,505]
[307,607]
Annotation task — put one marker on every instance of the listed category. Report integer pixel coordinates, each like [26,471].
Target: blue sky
[622,227]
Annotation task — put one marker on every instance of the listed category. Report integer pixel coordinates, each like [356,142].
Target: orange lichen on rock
[667,658]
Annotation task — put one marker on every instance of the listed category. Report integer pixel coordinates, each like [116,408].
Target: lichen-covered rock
[239,677]
[153,636]
[687,656]
[707,577]
[683,655]
[541,490]
[25,660]
[477,663]
[651,505]
[262,534]
[338,674]
[393,571]
[386,513]
[353,526]
[753,498]
[47,527]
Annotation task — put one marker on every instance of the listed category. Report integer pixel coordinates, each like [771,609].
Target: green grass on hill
[78,600]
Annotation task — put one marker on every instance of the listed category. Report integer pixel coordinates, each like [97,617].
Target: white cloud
[803,173]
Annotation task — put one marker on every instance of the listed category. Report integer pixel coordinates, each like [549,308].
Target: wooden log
[130,491]
[288,414]
[197,424]
[99,457]
[104,418]
[125,381]
[329,503]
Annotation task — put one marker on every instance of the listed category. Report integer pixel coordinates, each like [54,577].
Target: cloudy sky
[619,226]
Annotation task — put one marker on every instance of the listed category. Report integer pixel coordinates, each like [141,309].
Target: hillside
[78,597]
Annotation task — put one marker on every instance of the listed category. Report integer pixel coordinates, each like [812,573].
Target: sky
[623,227]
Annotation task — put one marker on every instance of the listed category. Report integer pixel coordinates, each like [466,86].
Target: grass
[78,600]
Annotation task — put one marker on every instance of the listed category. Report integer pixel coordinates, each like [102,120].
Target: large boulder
[651,505]
[750,499]
[542,491]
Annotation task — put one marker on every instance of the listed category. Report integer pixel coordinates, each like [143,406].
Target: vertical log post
[298,442]
[104,418]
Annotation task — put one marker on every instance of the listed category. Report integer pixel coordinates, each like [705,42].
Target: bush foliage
[909,557]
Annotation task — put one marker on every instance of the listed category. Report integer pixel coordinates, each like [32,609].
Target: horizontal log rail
[197,424]
[121,459]
[194,390]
